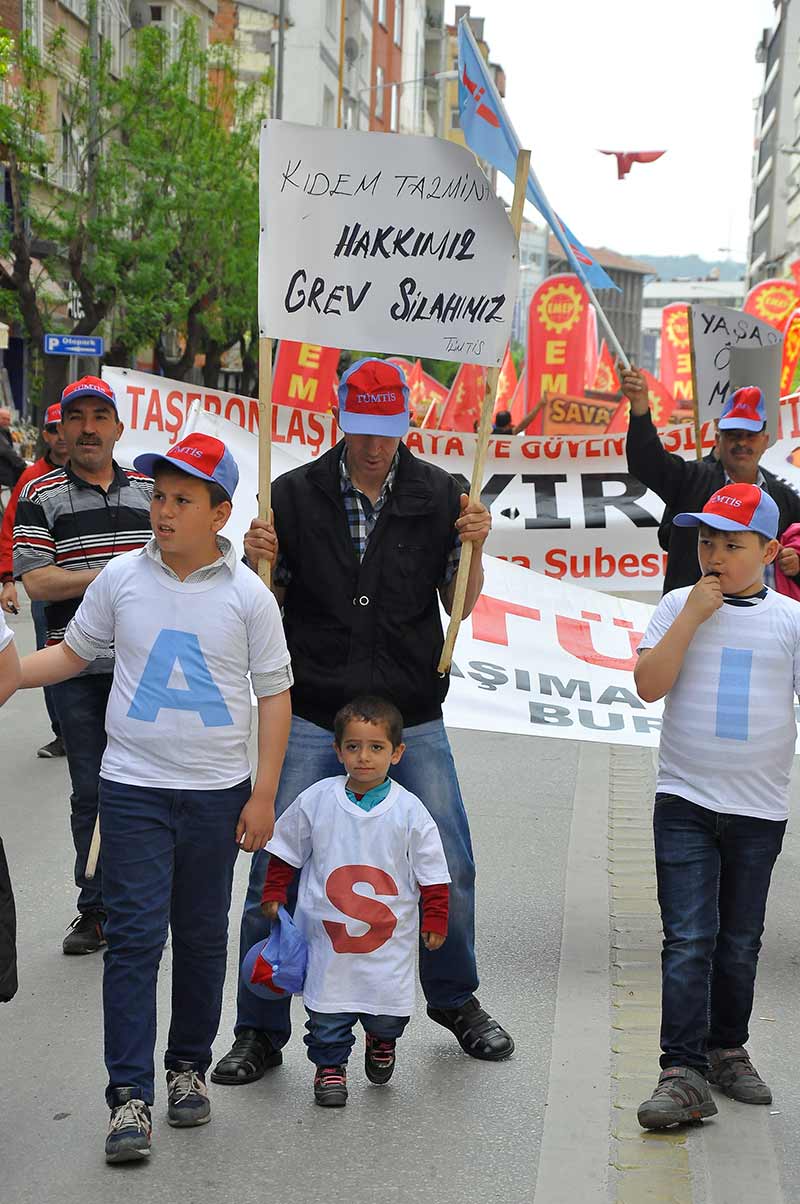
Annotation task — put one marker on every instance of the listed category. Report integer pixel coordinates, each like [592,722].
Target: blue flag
[491,136]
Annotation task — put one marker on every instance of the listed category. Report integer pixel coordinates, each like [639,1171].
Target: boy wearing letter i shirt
[192,627]
[726,655]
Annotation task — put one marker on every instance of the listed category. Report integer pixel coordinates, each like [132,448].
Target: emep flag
[676,353]
[773,301]
[385,242]
[304,375]
[557,337]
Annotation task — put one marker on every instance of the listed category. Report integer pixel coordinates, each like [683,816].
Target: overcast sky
[636,75]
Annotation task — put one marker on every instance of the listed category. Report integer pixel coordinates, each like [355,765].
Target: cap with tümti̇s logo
[89,386]
[373,399]
[744,410]
[736,508]
[201,456]
[52,415]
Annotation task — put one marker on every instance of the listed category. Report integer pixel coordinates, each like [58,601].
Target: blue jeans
[713,879]
[40,627]
[448,976]
[168,858]
[81,707]
[330,1034]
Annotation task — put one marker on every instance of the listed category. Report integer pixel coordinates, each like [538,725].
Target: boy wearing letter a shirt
[367,849]
[726,654]
[192,628]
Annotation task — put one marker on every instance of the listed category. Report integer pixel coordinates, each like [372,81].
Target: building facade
[311,63]
[775,199]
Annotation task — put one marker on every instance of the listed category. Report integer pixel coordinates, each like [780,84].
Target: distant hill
[670,267]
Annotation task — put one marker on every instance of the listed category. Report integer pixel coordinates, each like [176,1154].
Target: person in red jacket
[54,457]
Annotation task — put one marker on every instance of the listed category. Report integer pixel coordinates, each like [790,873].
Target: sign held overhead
[384,242]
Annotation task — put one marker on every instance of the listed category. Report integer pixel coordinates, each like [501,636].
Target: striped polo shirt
[65,521]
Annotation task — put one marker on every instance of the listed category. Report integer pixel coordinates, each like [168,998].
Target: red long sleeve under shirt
[435,899]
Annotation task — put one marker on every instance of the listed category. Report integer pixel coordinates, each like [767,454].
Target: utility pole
[279,80]
[93,115]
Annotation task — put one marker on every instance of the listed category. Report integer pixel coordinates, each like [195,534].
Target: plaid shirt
[362,515]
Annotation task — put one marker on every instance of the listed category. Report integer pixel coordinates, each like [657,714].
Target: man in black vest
[686,485]
[365,541]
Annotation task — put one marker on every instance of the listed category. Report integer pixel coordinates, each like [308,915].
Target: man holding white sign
[365,542]
[684,485]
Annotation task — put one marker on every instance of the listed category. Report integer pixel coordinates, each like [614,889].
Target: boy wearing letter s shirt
[726,654]
[192,628]
[367,849]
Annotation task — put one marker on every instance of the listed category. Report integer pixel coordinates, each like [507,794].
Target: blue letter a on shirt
[154,692]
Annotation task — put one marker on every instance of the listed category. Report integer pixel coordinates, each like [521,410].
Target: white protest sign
[715,330]
[383,242]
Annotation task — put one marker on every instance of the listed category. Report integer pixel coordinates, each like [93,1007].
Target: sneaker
[732,1071]
[379,1059]
[188,1097]
[54,749]
[85,933]
[129,1129]
[330,1086]
[682,1095]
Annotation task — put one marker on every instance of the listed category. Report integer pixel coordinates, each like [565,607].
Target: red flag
[626,159]
[662,403]
[506,383]
[676,356]
[791,352]
[591,347]
[772,300]
[304,375]
[557,324]
[416,389]
[606,379]
[465,400]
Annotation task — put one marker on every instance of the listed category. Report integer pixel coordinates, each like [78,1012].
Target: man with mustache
[69,524]
[686,485]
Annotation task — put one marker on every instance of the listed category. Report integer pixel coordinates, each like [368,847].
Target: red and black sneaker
[330,1086]
[379,1059]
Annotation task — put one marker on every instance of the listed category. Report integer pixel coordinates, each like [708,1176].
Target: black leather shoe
[85,933]
[476,1032]
[250,1055]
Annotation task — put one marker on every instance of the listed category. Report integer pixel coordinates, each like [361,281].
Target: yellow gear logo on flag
[774,304]
[560,308]
[677,328]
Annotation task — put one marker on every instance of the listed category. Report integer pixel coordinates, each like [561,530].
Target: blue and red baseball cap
[736,508]
[89,386]
[373,399]
[52,415]
[201,456]
[277,965]
[744,410]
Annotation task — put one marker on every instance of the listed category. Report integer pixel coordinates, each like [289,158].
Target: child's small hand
[705,598]
[270,909]
[432,940]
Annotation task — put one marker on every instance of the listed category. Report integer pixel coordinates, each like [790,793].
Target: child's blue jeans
[713,879]
[168,858]
[330,1034]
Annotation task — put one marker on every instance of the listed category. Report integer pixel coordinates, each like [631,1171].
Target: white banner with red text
[564,506]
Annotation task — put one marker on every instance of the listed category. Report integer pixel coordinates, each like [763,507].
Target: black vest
[372,627]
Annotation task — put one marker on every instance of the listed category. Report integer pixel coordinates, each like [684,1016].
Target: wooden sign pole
[265,443]
[484,430]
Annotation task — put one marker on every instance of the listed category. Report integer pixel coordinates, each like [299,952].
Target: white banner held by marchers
[383,242]
[715,330]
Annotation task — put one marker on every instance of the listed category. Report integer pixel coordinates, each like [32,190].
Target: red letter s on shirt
[382,920]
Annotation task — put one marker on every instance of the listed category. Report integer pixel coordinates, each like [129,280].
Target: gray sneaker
[732,1071]
[188,1102]
[682,1095]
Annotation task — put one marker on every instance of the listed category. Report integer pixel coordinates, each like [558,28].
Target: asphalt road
[447,1129]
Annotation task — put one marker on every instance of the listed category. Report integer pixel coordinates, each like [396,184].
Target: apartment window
[69,166]
[395,107]
[382,13]
[398,22]
[332,16]
[328,108]
[110,30]
[455,119]
[32,17]
[78,7]
[380,80]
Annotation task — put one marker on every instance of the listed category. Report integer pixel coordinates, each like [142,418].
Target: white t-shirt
[358,897]
[180,710]
[729,732]
[6,634]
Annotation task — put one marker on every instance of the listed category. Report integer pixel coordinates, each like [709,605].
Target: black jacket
[372,627]
[687,485]
[12,466]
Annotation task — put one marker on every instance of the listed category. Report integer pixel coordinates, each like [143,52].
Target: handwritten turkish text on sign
[384,242]
[715,330]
